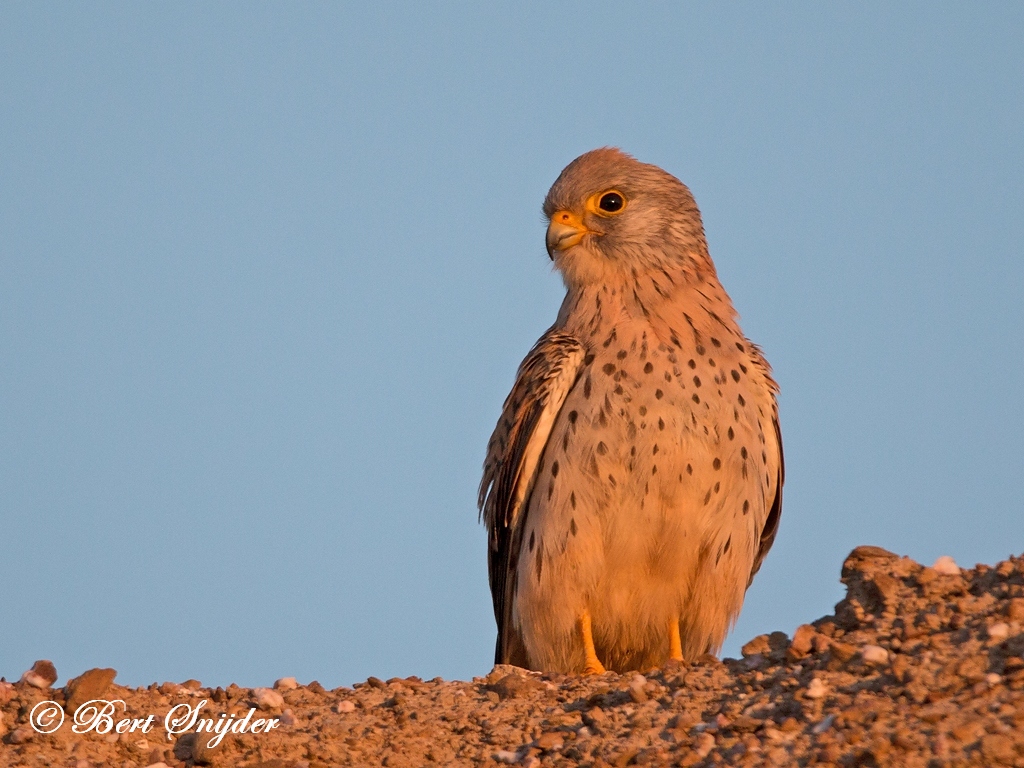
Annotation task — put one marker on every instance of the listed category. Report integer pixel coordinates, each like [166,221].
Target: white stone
[267,698]
[286,684]
[507,756]
[874,654]
[947,565]
[999,631]
[816,689]
[993,679]
[344,706]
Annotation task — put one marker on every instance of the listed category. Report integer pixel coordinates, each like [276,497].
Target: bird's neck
[674,305]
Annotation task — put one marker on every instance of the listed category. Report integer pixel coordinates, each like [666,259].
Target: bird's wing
[771,523]
[544,380]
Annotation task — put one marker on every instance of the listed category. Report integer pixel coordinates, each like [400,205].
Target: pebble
[287,717]
[947,566]
[816,689]
[344,706]
[874,654]
[999,631]
[267,699]
[42,675]
[824,725]
[703,744]
[286,684]
[506,756]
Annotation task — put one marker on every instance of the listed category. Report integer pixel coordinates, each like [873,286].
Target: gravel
[918,666]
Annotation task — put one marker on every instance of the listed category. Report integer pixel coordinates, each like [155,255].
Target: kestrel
[633,484]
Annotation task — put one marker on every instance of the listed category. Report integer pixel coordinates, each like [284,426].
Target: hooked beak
[565,230]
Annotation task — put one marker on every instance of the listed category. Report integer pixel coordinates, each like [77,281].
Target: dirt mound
[917,667]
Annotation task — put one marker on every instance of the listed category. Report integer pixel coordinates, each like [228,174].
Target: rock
[42,675]
[874,654]
[703,744]
[802,644]
[288,717]
[816,689]
[286,684]
[756,647]
[515,686]
[90,685]
[20,735]
[998,632]
[947,566]
[268,699]
[344,706]
[6,692]
[551,741]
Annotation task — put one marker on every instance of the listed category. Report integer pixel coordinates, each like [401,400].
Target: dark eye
[611,202]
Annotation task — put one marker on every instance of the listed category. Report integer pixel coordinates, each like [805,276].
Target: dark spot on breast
[572,525]
[573,416]
[696,381]
[611,480]
[668,376]
[642,410]
[654,469]
[717,463]
[735,374]
[740,347]
[618,389]
[743,452]
[554,469]
[531,541]
[764,457]
[588,359]
[572,499]
[539,562]
[602,420]
[602,449]
[593,465]
[717,487]
[655,449]
[551,489]
[715,342]
[661,423]
[740,400]
[746,506]
[692,363]
[608,368]
[696,398]
[689,469]
[586,387]
[731,433]
[631,430]
[700,349]
[743,367]
[621,354]
[659,394]
[648,368]
[707,498]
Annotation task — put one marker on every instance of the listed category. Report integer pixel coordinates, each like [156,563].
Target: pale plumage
[633,484]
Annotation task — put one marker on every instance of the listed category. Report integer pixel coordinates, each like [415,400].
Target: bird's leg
[593,665]
[675,645]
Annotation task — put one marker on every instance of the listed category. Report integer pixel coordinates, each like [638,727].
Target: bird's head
[611,217]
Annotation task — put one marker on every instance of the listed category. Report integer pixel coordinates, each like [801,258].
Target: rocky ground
[919,666]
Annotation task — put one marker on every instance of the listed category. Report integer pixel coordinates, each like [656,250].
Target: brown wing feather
[771,523]
[544,379]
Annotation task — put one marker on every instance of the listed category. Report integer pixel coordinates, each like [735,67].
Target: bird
[633,484]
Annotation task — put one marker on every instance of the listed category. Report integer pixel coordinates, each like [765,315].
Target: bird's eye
[611,202]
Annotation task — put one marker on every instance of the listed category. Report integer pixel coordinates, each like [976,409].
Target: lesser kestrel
[633,484]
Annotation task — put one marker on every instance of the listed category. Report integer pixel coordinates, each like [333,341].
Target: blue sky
[267,270]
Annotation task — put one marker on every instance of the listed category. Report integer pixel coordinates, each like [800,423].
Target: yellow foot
[675,645]
[593,665]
